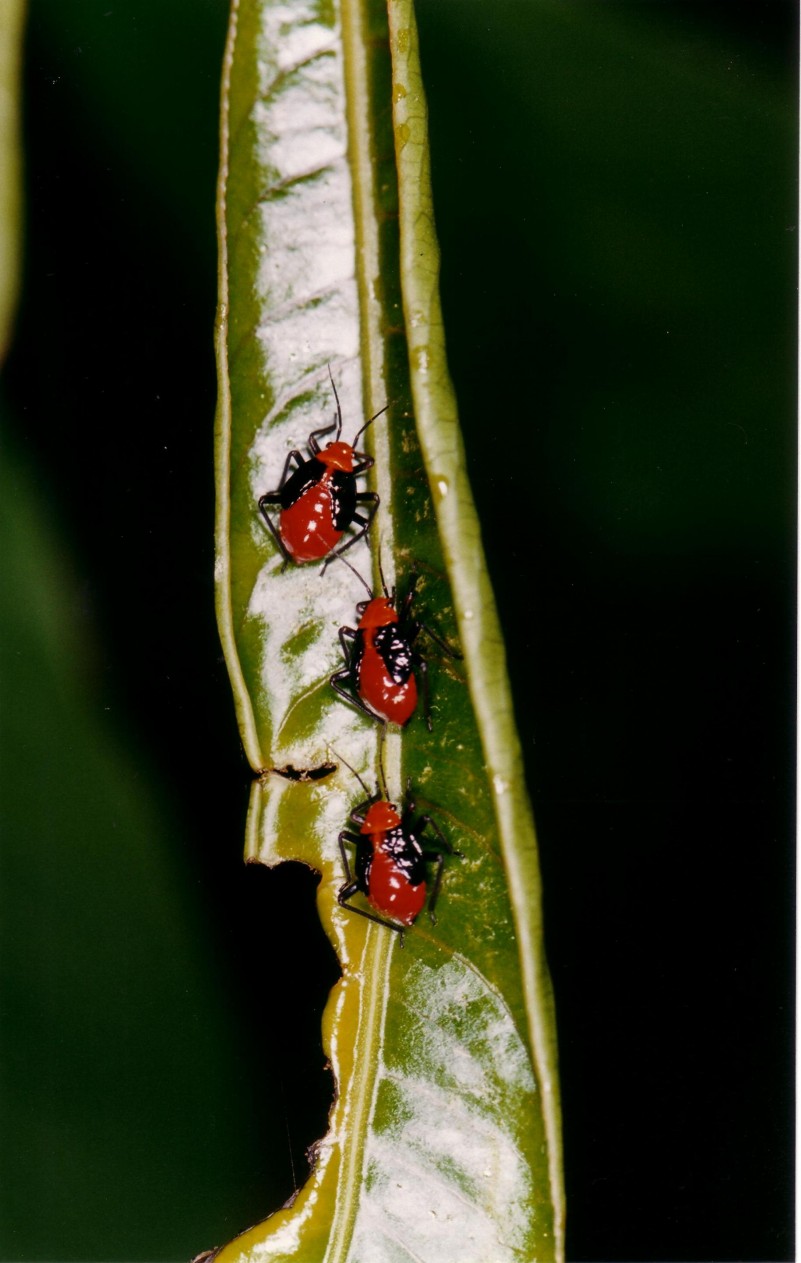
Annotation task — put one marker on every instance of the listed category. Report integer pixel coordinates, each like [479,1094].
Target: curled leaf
[444,1137]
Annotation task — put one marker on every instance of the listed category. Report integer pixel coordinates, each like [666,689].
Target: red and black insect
[318,501]
[392,854]
[381,657]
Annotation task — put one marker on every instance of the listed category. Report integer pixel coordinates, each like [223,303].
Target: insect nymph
[317,500]
[382,658]
[393,852]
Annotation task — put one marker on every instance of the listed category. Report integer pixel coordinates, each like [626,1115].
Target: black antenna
[339,410]
[361,578]
[351,769]
[370,422]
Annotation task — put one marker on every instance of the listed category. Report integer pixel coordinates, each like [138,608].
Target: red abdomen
[390,701]
[390,891]
[307,526]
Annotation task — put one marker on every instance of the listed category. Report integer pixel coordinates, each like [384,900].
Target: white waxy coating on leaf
[308,319]
[290,35]
[290,267]
[437,1155]
[429,1151]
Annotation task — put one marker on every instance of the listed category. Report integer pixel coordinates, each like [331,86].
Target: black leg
[408,804]
[405,609]
[344,837]
[423,824]
[352,886]
[438,858]
[358,814]
[347,634]
[444,646]
[314,446]
[344,677]
[422,667]
[347,893]
[363,463]
[273,497]
[337,680]
[295,456]
[364,497]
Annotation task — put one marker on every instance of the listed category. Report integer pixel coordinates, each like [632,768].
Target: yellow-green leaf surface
[443,1141]
[11,19]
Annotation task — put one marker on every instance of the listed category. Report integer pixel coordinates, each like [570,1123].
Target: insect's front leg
[360,811]
[347,636]
[295,456]
[347,836]
[338,681]
[363,462]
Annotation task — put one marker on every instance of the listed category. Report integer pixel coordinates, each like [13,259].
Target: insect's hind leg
[340,678]
[364,497]
[347,893]
[274,498]
[443,644]
[436,857]
[439,859]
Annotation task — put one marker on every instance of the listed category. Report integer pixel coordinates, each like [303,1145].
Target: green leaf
[11,20]
[444,1133]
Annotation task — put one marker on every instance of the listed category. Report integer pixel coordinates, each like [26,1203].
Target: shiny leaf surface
[443,1139]
[11,22]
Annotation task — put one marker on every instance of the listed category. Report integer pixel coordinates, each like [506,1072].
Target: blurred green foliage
[116,1065]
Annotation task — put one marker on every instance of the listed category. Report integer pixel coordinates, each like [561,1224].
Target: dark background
[616,198]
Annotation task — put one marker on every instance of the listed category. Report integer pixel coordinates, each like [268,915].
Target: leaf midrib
[378,948]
